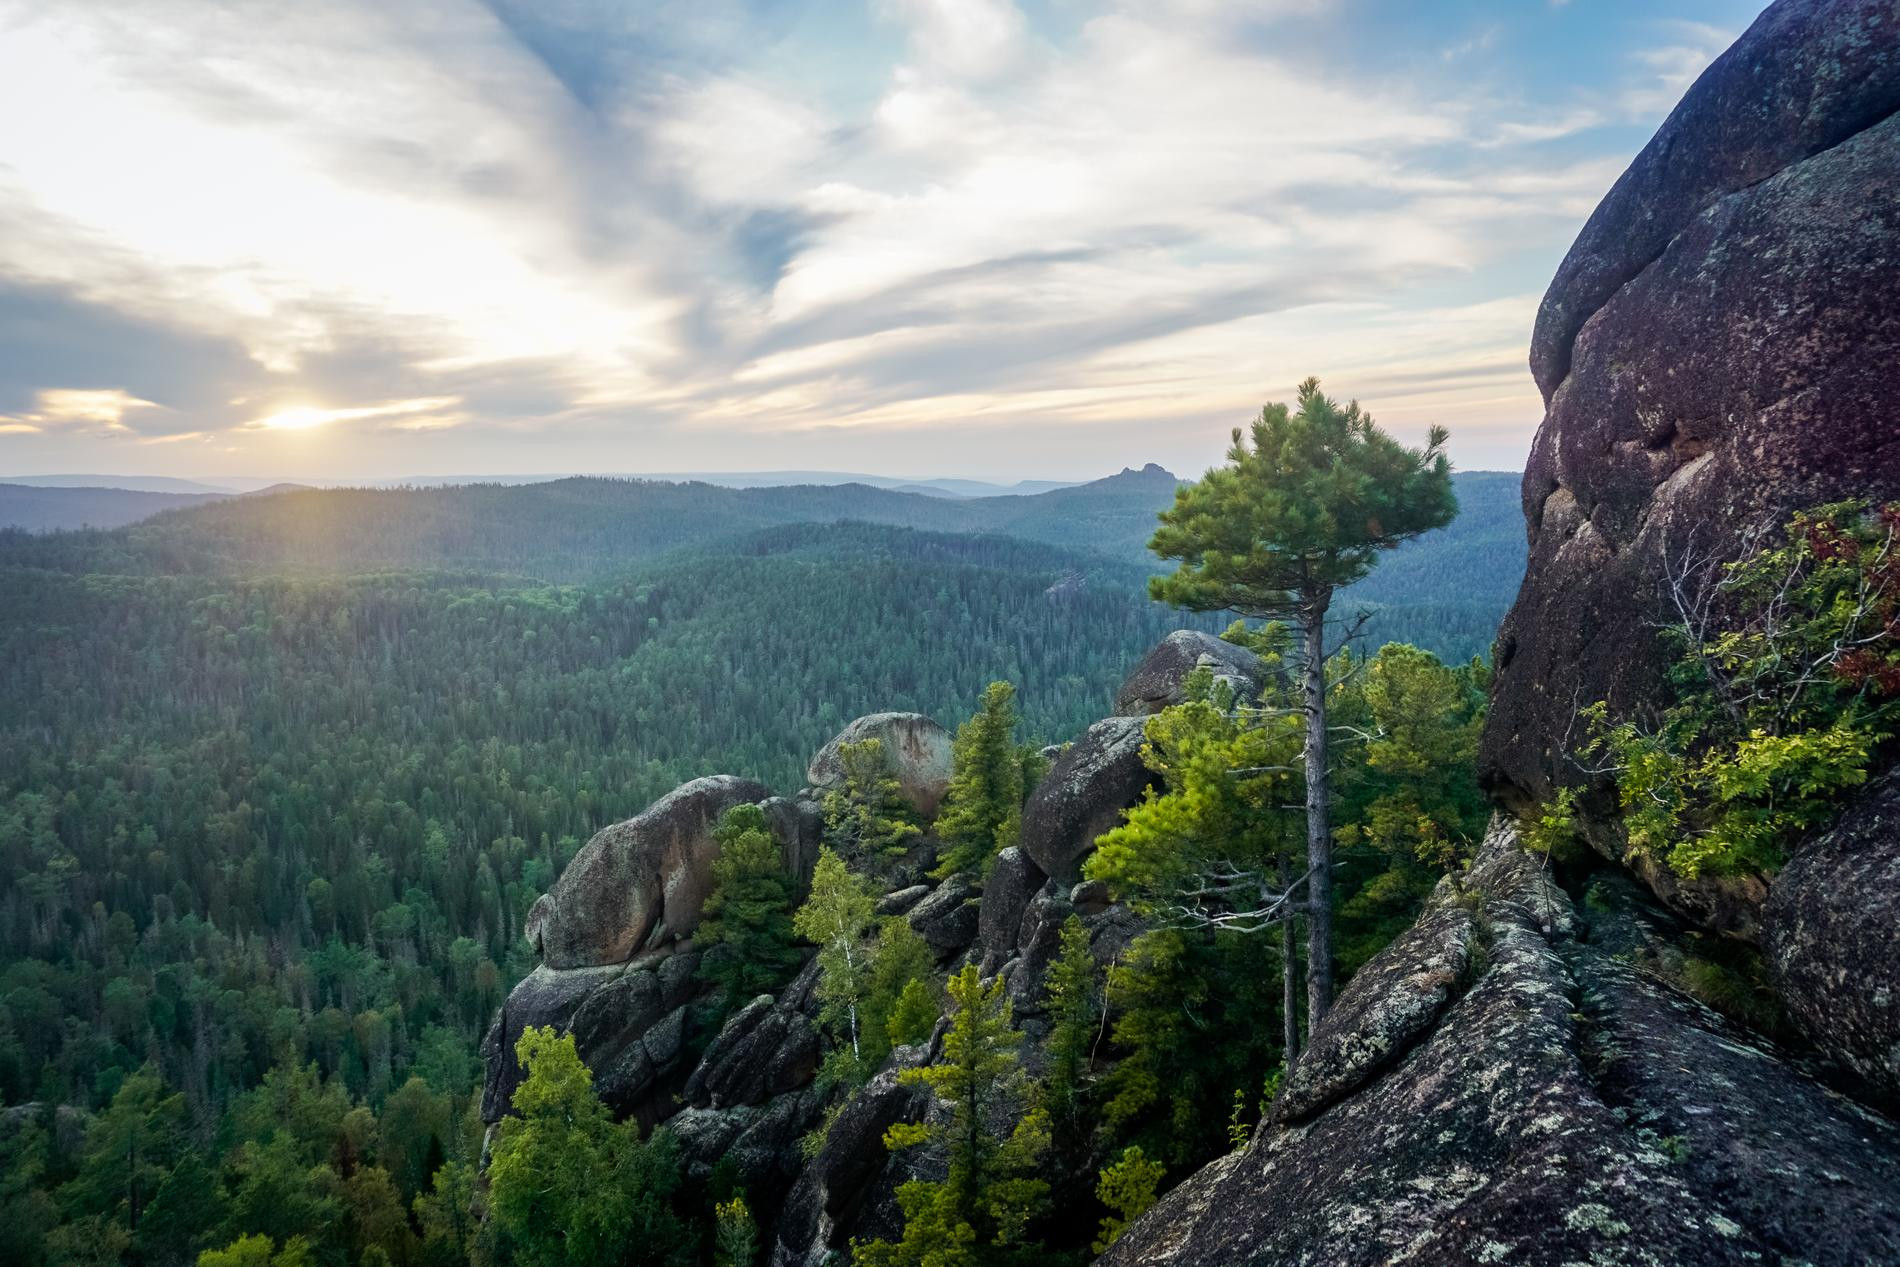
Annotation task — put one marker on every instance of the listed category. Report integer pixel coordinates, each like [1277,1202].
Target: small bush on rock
[1786,680]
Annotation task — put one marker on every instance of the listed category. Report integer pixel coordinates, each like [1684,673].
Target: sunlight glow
[424,411]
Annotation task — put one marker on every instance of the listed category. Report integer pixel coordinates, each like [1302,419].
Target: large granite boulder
[1831,930]
[638,884]
[917,748]
[1158,681]
[1012,881]
[1497,1087]
[1720,348]
[1084,794]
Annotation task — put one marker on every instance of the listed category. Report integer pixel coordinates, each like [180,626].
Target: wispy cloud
[639,235]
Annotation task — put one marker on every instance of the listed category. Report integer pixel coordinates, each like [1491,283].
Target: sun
[298,418]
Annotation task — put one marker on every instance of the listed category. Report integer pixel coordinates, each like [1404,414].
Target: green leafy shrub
[1786,681]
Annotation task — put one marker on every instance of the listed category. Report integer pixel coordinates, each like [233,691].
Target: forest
[268,831]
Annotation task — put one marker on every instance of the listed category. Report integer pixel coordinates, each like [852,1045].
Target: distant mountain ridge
[1454,585]
[105,501]
[56,507]
[572,529]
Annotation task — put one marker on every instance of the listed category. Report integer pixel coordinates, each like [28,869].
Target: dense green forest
[280,778]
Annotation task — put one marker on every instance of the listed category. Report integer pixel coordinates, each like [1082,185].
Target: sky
[995,239]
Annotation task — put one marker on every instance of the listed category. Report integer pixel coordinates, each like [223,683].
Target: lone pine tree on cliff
[1299,513]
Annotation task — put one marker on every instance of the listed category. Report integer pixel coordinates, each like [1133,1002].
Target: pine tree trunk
[1319,832]
[1289,973]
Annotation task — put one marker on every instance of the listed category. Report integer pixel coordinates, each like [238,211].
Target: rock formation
[1092,781]
[1517,1078]
[1831,930]
[639,884]
[1157,681]
[917,748]
[1720,347]
[1501,1085]
[617,965]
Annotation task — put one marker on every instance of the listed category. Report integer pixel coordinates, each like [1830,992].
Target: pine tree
[1302,511]
[868,818]
[979,1215]
[915,1016]
[982,808]
[569,1187]
[1075,1005]
[750,909]
[900,959]
[1127,1188]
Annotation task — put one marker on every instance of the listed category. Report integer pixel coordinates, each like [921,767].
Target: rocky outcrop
[917,748]
[799,828]
[628,1020]
[1159,680]
[1012,881]
[1546,1104]
[1720,348]
[849,1188]
[759,1142]
[1831,931]
[1084,794]
[947,919]
[638,884]
[764,1050]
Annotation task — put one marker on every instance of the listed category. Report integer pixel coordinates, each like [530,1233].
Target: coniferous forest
[269,831]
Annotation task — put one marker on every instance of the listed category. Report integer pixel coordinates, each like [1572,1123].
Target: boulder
[1157,682]
[1831,931]
[1038,941]
[763,1051]
[1012,881]
[1548,1105]
[849,1188]
[1720,348]
[1091,897]
[917,747]
[628,1022]
[901,900]
[1083,795]
[799,828]
[947,919]
[641,883]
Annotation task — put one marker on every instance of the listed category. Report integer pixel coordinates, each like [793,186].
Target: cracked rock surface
[1558,1108]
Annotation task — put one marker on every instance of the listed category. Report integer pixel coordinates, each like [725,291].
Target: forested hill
[43,509]
[577,529]
[566,530]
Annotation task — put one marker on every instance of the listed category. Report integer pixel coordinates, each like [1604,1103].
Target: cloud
[969,38]
[1663,72]
[575,226]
